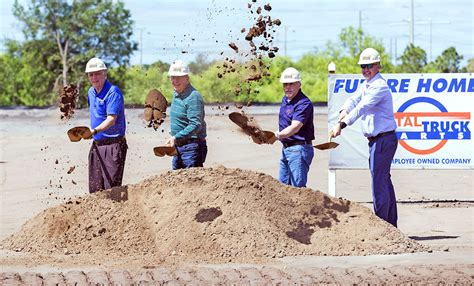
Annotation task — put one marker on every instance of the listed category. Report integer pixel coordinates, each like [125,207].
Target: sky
[164,29]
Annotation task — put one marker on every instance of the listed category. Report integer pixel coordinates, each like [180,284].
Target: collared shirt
[374,105]
[109,101]
[300,108]
[187,115]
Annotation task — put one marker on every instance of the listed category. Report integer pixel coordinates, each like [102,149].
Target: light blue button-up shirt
[374,105]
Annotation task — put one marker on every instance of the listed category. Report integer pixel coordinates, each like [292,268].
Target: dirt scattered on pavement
[211,215]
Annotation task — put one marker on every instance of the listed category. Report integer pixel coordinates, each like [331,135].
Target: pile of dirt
[211,215]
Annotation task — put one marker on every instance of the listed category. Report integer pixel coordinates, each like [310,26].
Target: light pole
[431,23]
[140,44]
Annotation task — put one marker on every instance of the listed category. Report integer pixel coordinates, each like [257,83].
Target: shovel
[161,151]
[77,133]
[251,128]
[327,145]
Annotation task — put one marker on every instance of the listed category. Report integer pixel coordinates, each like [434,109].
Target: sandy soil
[41,169]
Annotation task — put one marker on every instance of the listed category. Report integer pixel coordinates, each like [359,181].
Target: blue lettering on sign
[416,135]
[403,161]
[432,161]
[339,84]
[445,85]
[424,85]
[452,161]
[427,161]
[349,85]
[440,85]
[402,85]
[455,85]
[443,126]
[392,84]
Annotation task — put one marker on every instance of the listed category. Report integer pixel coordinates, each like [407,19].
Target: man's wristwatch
[342,124]
[94,131]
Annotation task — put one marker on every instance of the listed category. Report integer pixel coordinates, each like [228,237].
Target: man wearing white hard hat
[295,131]
[188,128]
[109,147]
[374,105]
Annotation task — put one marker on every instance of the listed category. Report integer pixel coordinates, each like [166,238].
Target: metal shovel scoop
[327,145]
[77,133]
[161,151]
[251,128]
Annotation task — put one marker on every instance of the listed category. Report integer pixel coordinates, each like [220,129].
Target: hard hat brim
[178,74]
[364,62]
[289,80]
[96,69]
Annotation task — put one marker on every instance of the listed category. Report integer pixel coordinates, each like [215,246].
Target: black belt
[108,141]
[380,135]
[297,142]
[180,143]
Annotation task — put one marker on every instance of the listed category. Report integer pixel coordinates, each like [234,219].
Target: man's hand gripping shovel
[327,145]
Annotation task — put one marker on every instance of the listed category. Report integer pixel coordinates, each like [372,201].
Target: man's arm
[373,95]
[106,124]
[291,130]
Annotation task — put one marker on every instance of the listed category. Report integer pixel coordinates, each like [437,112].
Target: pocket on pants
[189,152]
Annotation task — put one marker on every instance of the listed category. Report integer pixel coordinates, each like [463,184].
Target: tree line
[60,37]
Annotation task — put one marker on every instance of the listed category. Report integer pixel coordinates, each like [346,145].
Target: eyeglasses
[367,66]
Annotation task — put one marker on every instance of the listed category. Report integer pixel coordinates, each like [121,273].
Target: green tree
[79,31]
[140,80]
[470,65]
[199,64]
[413,60]
[23,80]
[345,52]
[449,61]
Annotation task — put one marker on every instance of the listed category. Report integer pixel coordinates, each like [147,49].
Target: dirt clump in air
[251,64]
[204,215]
[67,101]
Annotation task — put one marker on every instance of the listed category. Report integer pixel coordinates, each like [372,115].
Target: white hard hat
[178,68]
[290,75]
[369,56]
[95,64]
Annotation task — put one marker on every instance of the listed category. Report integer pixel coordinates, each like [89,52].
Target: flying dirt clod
[67,100]
[155,108]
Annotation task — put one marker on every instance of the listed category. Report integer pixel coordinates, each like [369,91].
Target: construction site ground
[435,207]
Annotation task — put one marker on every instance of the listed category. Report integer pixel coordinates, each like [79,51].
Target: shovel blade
[326,146]
[161,151]
[239,119]
[77,133]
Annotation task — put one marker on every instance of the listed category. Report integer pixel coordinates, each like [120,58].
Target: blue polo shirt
[109,101]
[300,108]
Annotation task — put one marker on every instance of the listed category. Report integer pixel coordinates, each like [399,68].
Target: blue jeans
[190,155]
[382,151]
[294,164]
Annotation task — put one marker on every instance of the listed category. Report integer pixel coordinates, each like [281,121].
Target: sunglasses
[367,66]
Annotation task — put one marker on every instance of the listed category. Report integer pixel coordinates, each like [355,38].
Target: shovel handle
[330,136]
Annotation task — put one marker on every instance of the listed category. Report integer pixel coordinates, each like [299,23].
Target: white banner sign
[433,114]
